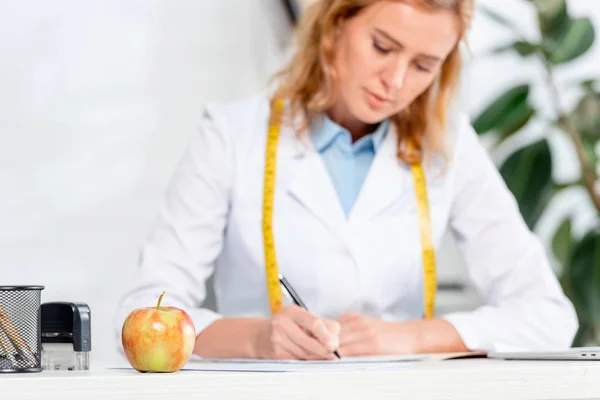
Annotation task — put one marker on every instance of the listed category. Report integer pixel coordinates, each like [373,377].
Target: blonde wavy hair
[308,80]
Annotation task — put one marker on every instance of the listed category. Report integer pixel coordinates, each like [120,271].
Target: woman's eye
[423,68]
[380,48]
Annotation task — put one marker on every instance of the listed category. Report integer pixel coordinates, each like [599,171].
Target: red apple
[158,339]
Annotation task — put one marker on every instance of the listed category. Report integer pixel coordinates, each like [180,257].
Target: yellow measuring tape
[271,269]
[428,253]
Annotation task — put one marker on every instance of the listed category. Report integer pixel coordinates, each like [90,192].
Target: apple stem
[160,299]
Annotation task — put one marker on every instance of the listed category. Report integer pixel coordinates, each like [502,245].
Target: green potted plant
[528,171]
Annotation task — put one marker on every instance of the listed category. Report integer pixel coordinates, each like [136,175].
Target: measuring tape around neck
[271,269]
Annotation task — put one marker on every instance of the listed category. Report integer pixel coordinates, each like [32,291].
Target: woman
[360,174]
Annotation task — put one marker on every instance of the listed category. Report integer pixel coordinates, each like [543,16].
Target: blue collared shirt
[347,163]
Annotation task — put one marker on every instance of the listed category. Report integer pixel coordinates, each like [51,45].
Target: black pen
[296,299]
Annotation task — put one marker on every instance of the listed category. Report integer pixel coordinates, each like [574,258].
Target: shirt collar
[379,134]
[325,131]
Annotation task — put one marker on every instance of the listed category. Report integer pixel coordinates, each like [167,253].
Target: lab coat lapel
[310,184]
[386,181]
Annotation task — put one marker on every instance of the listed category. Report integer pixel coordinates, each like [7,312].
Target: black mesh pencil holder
[20,328]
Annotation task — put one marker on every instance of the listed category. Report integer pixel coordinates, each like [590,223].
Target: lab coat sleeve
[180,252]
[525,307]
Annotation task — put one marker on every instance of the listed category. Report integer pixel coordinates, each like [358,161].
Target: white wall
[98,100]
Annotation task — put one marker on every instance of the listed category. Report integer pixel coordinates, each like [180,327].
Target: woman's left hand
[361,335]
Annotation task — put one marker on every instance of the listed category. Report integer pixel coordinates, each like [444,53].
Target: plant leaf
[528,175]
[584,275]
[516,119]
[495,115]
[562,241]
[576,42]
[586,116]
[554,21]
[588,85]
[522,47]
[525,48]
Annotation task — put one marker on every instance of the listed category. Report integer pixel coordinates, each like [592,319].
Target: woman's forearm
[238,337]
[229,338]
[435,336]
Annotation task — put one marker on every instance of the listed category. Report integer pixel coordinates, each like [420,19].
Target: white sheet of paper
[344,364]
[343,360]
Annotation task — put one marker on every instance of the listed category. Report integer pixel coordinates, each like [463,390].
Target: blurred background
[99,98]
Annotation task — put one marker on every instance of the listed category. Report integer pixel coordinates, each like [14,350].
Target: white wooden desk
[452,379]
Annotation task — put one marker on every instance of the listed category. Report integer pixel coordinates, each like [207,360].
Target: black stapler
[66,336]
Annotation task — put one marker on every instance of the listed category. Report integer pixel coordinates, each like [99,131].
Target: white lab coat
[368,263]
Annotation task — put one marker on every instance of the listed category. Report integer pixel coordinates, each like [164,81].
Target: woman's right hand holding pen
[295,333]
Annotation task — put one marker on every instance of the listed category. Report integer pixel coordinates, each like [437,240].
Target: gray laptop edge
[575,353]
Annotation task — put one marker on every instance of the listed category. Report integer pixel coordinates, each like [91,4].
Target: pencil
[17,340]
[6,348]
